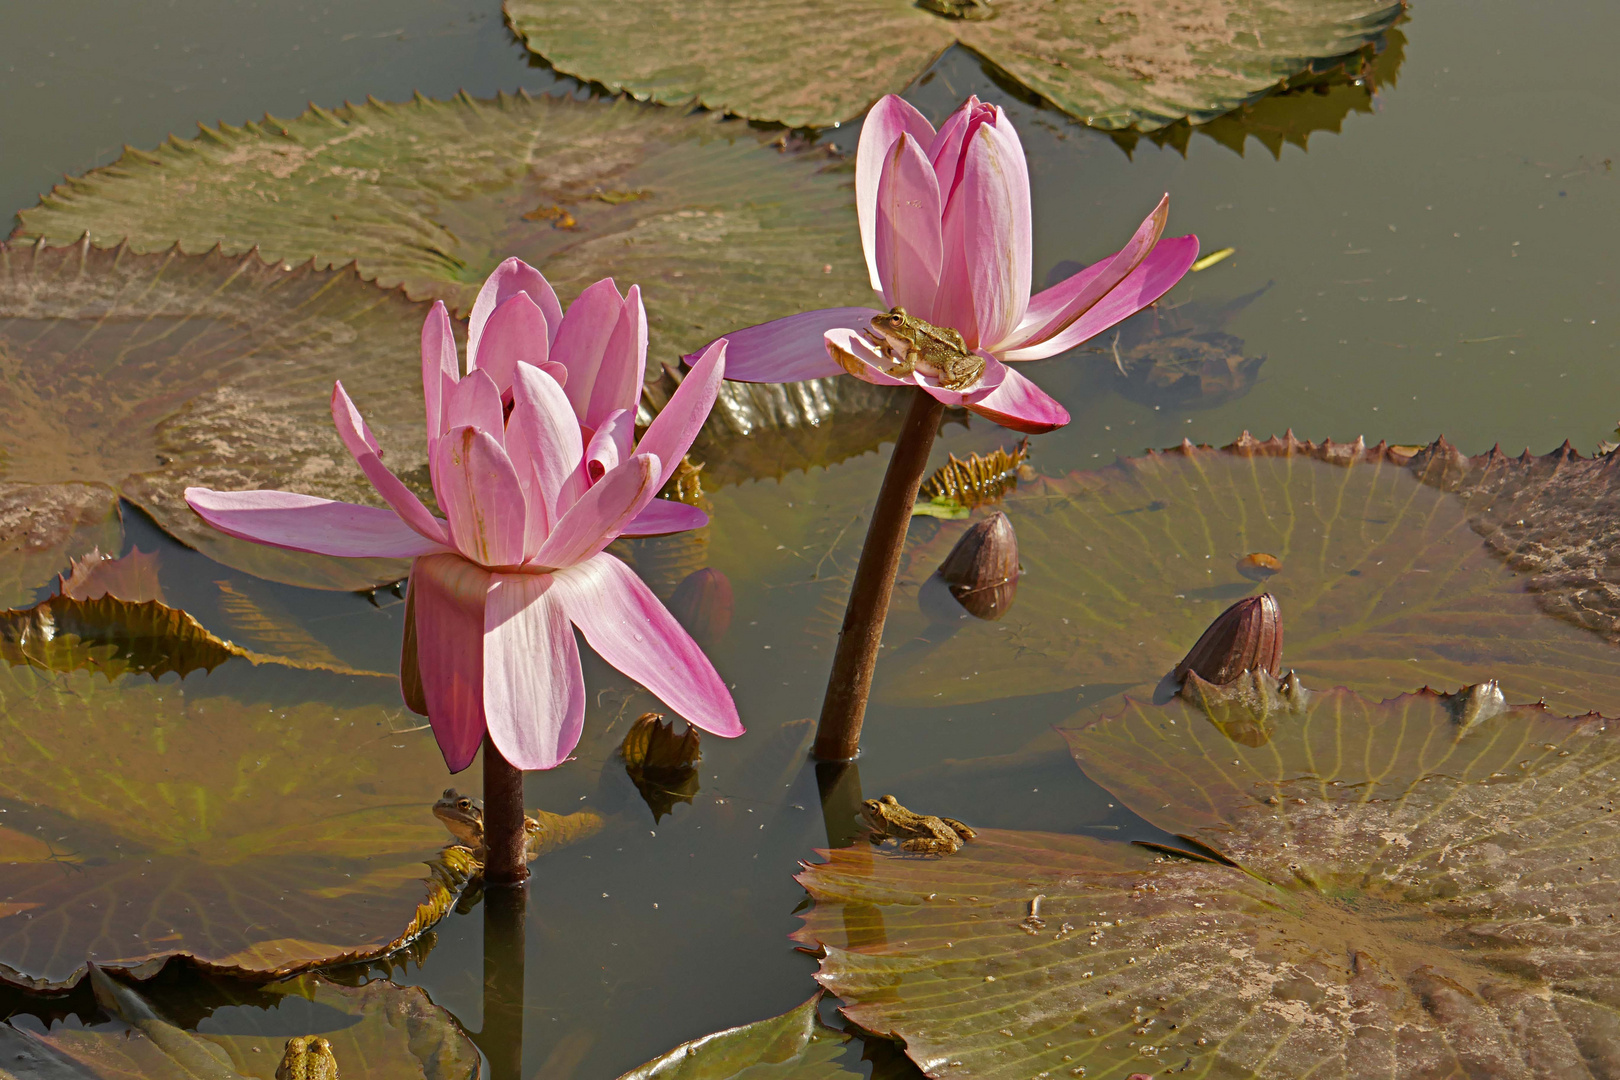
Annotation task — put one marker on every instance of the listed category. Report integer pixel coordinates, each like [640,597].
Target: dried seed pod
[1258,566]
[703,604]
[1245,637]
[982,569]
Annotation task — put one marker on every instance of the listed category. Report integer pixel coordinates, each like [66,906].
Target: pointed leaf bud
[703,604]
[661,764]
[982,570]
[1245,637]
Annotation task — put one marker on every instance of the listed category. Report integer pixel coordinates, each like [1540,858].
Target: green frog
[308,1057]
[464,817]
[934,350]
[922,833]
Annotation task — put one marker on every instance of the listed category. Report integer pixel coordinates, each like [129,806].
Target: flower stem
[838,737]
[506,858]
[501,1040]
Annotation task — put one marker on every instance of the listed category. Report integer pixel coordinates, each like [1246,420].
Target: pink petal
[907,240]
[670,434]
[945,152]
[624,363]
[1051,310]
[885,122]
[664,516]
[583,338]
[1166,265]
[601,514]
[510,278]
[610,444]
[543,440]
[439,364]
[516,333]
[480,493]
[790,349]
[304,523]
[854,355]
[534,690]
[447,596]
[476,402]
[986,273]
[357,437]
[1021,405]
[627,626]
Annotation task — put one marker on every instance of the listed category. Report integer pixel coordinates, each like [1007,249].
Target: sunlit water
[1442,265]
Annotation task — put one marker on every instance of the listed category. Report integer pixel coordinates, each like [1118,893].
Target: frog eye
[464,804]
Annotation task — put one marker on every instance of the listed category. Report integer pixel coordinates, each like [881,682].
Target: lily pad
[795,1045]
[720,228]
[1412,888]
[42,526]
[1383,583]
[145,374]
[1112,64]
[144,820]
[378,1031]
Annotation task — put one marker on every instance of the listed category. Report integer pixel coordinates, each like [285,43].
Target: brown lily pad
[145,374]
[1419,887]
[1384,583]
[145,820]
[724,230]
[1113,64]
[378,1031]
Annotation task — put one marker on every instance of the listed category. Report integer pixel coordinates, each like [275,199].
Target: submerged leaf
[1384,583]
[174,819]
[42,526]
[378,1031]
[728,231]
[1413,888]
[1111,64]
[151,373]
[132,578]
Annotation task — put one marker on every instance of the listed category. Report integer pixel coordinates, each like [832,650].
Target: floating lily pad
[115,637]
[43,526]
[1112,64]
[378,1031]
[1383,583]
[1420,887]
[144,820]
[719,228]
[150,373]
[793,1046]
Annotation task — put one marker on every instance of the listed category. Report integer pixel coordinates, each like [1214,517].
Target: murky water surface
[1437,261]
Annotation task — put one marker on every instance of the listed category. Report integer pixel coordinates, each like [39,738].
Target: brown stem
[506,858]
[838,738]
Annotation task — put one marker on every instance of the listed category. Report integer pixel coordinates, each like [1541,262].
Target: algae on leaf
[149,819]
[1115,64]
[1412,888]
[1384,584]
[726,230]
[145,374]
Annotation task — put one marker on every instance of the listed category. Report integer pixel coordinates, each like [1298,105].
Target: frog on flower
[533,461]
[945,223]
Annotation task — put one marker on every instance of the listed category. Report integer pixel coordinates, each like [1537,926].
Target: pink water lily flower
[945,223]
[533,461]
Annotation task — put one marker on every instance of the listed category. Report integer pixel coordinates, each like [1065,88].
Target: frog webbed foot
[959,829]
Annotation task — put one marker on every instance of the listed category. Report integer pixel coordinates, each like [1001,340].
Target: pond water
[1435,259]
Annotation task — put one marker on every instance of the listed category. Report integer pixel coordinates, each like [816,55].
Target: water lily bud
[703,604]
[982,569]
[1245,637]
[661,764]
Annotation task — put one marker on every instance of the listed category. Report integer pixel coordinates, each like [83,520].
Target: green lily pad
[1412,888]
[1113,65]
[144,820]
[1384,584]
[149,373]
[795,1045]
[43,526]
[115,637]
[720,228]
[378,1031]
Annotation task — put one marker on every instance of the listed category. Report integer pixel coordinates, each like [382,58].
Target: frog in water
[936,350]
[464,817]
[922,833]
[308,1057]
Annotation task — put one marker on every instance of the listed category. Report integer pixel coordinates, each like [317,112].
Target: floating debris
[1258,566]
[1212,258]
